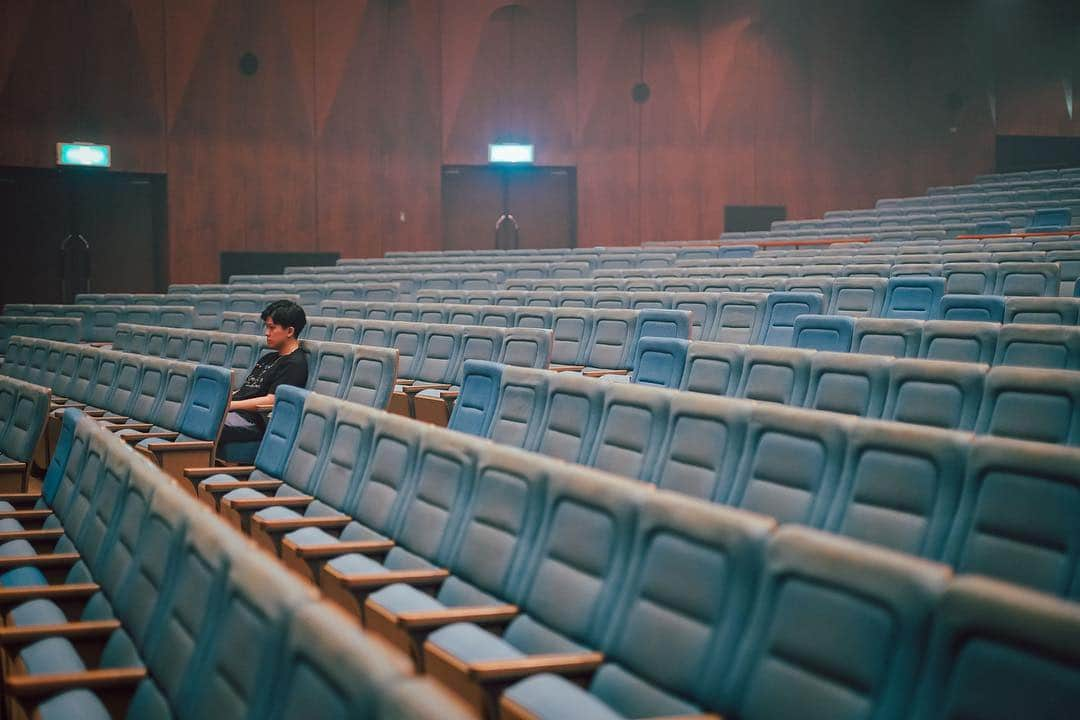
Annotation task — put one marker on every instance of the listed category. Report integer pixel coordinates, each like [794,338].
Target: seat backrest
[971,308]
[959,341]
[939,394]
[901,487]
[631,428]
[1042,311]
[791,463]
[848,383]
[1037,346]
[775,374]
[879,336]
[572,330]
[781,310]
[1032,279]
[1016,517]
[718,552]
[857,296]
[526,347]
[913,298]
[24,411]
[1032,404]
[997,651]
[475,405]
[739,317]
[831,333]
[571,416]
[659,362]
[713,368]
[848,619]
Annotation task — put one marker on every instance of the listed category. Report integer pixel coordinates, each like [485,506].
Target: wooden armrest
[20,498]
[283,525]
[373,581]
[500,671]
[331,550]
[227,486]
[439,618]
[255,504]
[100,344]
[203,473]
[12,466]
[46,560]
[70,591]
[24,635]
[182,445]
[114,418]
[137,437]
[450,395]
[566,368]
[417,389]
[141,428]
[94,413]
[602,373]
[38,686]
[25,514]
[50,534]
[404,381]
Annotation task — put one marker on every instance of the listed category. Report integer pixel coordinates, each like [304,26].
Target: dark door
[487,207]
[70,231]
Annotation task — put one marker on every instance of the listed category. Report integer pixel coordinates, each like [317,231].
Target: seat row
[542,589]
[123,597]
[1022,403]
[234,352]
[407,281]
[49,328]
[168,409]
[99,321]
[208,307]
[24,408]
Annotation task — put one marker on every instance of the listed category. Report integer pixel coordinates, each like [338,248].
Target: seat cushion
[401,598]
[37,612]
[73,705]
[52,655]
[471,643]
[551,697]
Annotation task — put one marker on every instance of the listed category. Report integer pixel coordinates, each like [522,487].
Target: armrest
[46,560]
[94,412]
[20,498]
[51,534]
[283,525]
[220,488]
[417,389]
[254,504]
[203,473]
[373,581]
[114,418]
[38,686]
[137,437]
[25,514]
[180,446]
[439,618]
[331,550]
[566,368]
[12,466]
[500,671]
[404,381]
[24,635]
[602,373]
[71,591]
[139,427]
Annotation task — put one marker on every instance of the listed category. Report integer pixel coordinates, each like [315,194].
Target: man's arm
[251,403]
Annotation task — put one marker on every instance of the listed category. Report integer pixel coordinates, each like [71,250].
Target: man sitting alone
[286,364]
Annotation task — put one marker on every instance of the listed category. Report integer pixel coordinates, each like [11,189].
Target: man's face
[276,335]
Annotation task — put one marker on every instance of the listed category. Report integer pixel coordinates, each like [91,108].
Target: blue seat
[571,415]
[630,431]
[824,602]
[660,362]
[831,333]
[1030,279]
[781,310]
[713,368]
[718,553]
[995,227]
[858,296]
[1050,219]
[940,394]
[848,383]
[998,651]
[739,317]
[971,308]
[1008,484]
[1038,346]
[777,375]
[894,338]
[1030,404]
[1042,311]
[475,407]
[914,298]
[959,341]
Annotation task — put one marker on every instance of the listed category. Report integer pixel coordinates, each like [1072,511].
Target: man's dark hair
[286,314]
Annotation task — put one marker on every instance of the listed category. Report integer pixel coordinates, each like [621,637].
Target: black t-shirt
[272,370]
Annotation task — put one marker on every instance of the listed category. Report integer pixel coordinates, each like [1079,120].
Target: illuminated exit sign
[514,153]
[83,154]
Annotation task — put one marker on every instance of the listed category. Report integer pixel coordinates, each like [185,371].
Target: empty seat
[660,362]
[1031,404]
[1038,346]
[939,394]
[781,309]
[971,308]
[831,333]
[1028,279]
[739,317]
[713,368]
[857,296]
[895,338]
[1042,311]
[913,297]
[777,375]
[959,341]
[849,383]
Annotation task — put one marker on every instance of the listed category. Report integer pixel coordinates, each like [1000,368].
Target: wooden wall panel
[337,142]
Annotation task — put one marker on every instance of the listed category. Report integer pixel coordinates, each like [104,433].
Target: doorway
[72,230]
[486,207]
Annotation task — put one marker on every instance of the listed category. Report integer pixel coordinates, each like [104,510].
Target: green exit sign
[83,154]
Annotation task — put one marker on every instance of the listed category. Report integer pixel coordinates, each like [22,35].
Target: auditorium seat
[895,338]
[778,375]
[660,362]
[24,408]
[713,368]
[832,333]
[857,296]
[1038,346]
[959,341]
[1027,279]
[739,317]
[63,329]
[971,308]
[939,394]
[1042,311]
[781,310]
[913,298]
[848,383]
[1031,404]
